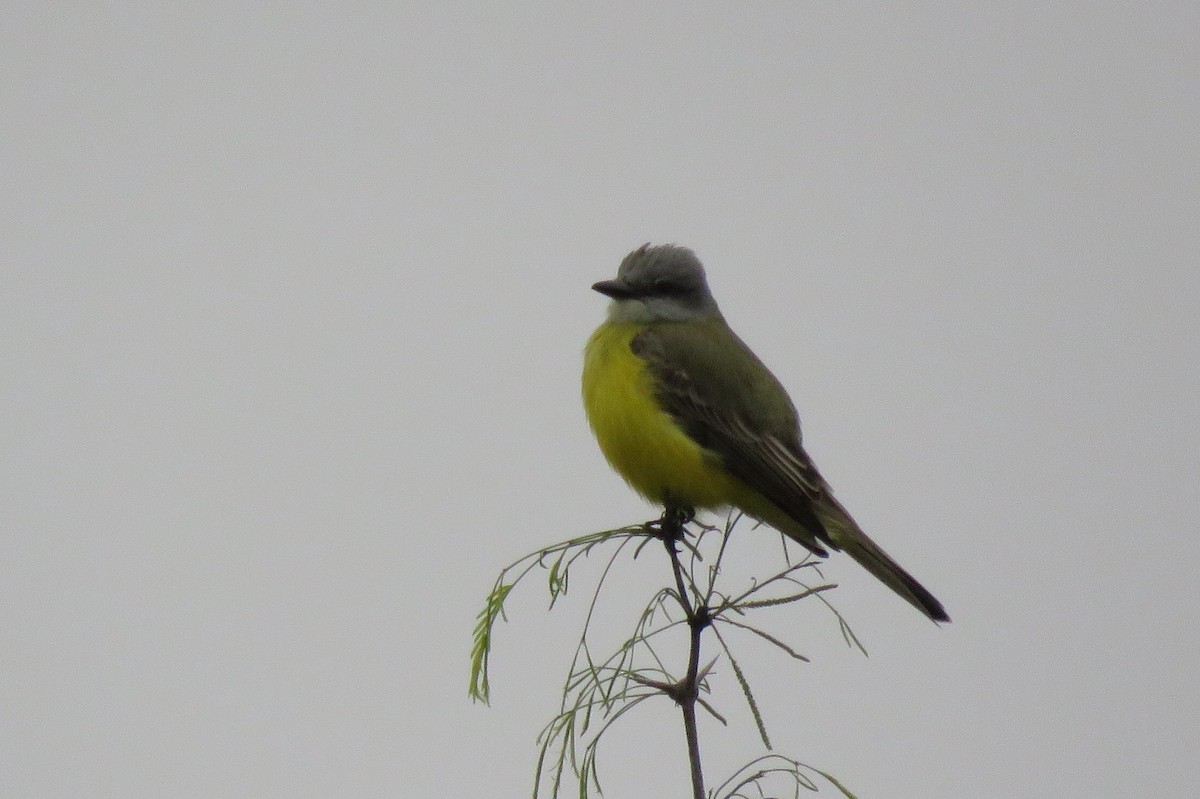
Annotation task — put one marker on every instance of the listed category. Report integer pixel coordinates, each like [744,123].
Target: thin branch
[698,619]
[599,690]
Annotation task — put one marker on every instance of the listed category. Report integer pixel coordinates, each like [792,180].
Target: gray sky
[291,316]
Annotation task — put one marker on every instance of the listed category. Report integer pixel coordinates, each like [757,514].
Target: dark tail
[846,535]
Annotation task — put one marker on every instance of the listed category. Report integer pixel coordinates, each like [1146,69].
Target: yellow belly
[638,438]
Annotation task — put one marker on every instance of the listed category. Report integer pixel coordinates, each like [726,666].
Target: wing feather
[731,404]
[739,413]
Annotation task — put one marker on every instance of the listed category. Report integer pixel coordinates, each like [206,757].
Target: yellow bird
[691,418]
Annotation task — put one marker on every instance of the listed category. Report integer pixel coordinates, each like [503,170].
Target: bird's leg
[674,519]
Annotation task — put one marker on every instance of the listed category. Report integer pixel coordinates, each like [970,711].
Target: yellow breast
[641,441]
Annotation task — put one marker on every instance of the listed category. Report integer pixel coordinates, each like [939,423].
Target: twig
[688,691]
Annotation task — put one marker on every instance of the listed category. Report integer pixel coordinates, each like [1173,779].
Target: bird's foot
[670,526]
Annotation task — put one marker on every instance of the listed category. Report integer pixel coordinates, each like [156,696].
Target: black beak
[617,289]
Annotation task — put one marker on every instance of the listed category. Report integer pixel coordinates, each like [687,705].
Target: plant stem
[688,706]
[688,690]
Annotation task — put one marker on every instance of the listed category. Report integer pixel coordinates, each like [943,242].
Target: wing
[730,403]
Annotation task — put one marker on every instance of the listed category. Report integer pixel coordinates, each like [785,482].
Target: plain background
[292,304]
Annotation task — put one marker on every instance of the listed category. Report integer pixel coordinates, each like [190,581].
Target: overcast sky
[292,307]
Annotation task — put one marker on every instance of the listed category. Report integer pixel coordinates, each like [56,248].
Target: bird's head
[663,282]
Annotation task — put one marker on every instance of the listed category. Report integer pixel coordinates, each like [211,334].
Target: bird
[689,416]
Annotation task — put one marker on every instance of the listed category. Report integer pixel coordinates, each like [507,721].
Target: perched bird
[691,418]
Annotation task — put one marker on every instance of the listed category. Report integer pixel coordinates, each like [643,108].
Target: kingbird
[691,418]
